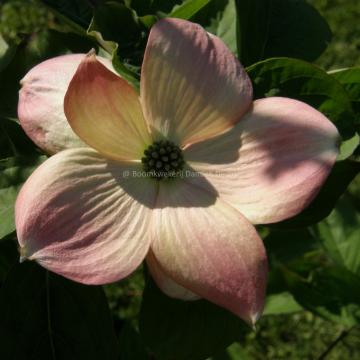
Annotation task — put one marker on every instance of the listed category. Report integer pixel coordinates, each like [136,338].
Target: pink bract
[89,214]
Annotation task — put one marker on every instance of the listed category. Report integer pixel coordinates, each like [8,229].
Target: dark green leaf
[199,327]
[116,22]
[269,28]
[44,316]
[333,293]
[350,79]
[253,29]
[284,246]
[340,235]
[335,185]
[78,11]
[118,30]
[300,80]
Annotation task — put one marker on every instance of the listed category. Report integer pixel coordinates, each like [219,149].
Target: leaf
[116,22]
[199,326]
[269,28]
[332,293]
[219,18]
[226,29]
[340,235]
[282,303]
[118,30]
[300,80]
[284,246]
[188,9]
[341,176]
[44,316]
[78,11]
[350,79]
[13,172]
[253,29]
[147,7]
[348,147]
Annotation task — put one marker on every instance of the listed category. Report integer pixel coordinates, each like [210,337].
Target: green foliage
[300,80]
[297,337]
[340,234]
[277,28]
[342,16]
[188,9]
[350,79]
[18,18]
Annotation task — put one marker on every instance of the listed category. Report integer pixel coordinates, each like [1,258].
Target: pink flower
[93,212]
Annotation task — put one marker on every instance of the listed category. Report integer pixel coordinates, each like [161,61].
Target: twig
[331,346]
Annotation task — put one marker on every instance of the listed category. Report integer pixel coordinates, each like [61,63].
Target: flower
[177,176]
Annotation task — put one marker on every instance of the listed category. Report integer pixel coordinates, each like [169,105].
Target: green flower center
[163,159]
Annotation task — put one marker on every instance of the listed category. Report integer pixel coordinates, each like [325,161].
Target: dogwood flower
[176,176]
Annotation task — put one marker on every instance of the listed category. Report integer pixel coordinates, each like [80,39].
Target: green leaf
[332,293]
[350,79]
[116,22]
[341,176]
[282,303]
[199,327]
[147,7]
[340,235]
[188,9]
[253,29]
[348,147]
[284,246]
[219,18]
[226,29]
[300,80]
[118,30]
[45,316]
[13,172]
[269,28]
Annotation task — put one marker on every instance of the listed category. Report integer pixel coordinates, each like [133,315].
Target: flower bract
[177,175]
